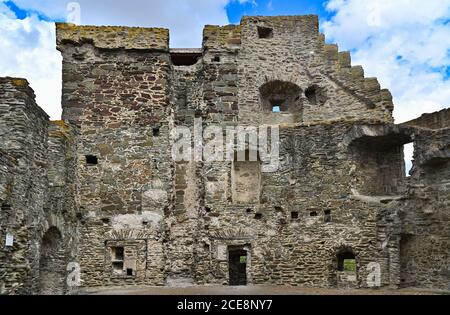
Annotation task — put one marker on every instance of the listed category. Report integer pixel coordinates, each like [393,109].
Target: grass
[350,265]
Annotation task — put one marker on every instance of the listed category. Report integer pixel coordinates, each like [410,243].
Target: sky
[404,43]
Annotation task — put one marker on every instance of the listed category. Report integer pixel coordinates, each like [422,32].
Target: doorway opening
[237,266]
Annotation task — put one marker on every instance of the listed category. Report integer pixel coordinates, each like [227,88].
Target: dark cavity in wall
[237,264]
[91,160]
[185,59]
[265,32]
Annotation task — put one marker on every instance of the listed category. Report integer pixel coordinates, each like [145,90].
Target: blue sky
[236,10]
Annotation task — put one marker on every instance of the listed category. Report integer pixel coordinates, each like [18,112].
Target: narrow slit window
[327,216]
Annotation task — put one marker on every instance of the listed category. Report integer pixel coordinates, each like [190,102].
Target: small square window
[91,160]
[156,132]
[129,272]
[216,59]
[265,32]
[294,215]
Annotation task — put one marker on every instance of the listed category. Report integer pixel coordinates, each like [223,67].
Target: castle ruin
[101,190]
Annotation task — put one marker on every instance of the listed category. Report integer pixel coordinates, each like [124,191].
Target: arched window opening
[280,96]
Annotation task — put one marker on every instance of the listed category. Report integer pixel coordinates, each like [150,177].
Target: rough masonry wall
[305,216]
[295,52]
[23,136]
[144,219]
[425,232]
[117,96]
[28,209]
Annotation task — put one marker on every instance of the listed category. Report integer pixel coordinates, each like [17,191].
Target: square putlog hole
[265,32]
[91,160]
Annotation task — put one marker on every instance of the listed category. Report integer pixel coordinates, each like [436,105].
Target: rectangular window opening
[327,216]
[117,254]
[91,160]
[276,109]
[265,32]
[408,150]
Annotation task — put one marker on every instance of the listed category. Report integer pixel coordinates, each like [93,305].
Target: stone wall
[175,222]
[425,233]
[28,204]
[438,120]
[116,93]
[101,187]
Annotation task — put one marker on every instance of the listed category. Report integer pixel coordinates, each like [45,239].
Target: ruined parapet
[221,38]
[113,37]
[420,222]
[437,120]
[352,80]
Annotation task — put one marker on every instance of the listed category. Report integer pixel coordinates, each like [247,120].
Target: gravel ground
[250,290]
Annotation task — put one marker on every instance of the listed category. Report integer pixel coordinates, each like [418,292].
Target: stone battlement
[114,37]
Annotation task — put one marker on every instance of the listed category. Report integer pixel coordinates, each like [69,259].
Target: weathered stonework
[101,189]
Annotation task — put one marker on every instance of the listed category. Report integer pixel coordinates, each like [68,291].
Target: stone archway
[52,263]
[346,268]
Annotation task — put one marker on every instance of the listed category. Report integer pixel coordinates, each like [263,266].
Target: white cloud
[27,49]
[403,43]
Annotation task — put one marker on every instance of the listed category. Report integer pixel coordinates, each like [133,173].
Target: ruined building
[100,188]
